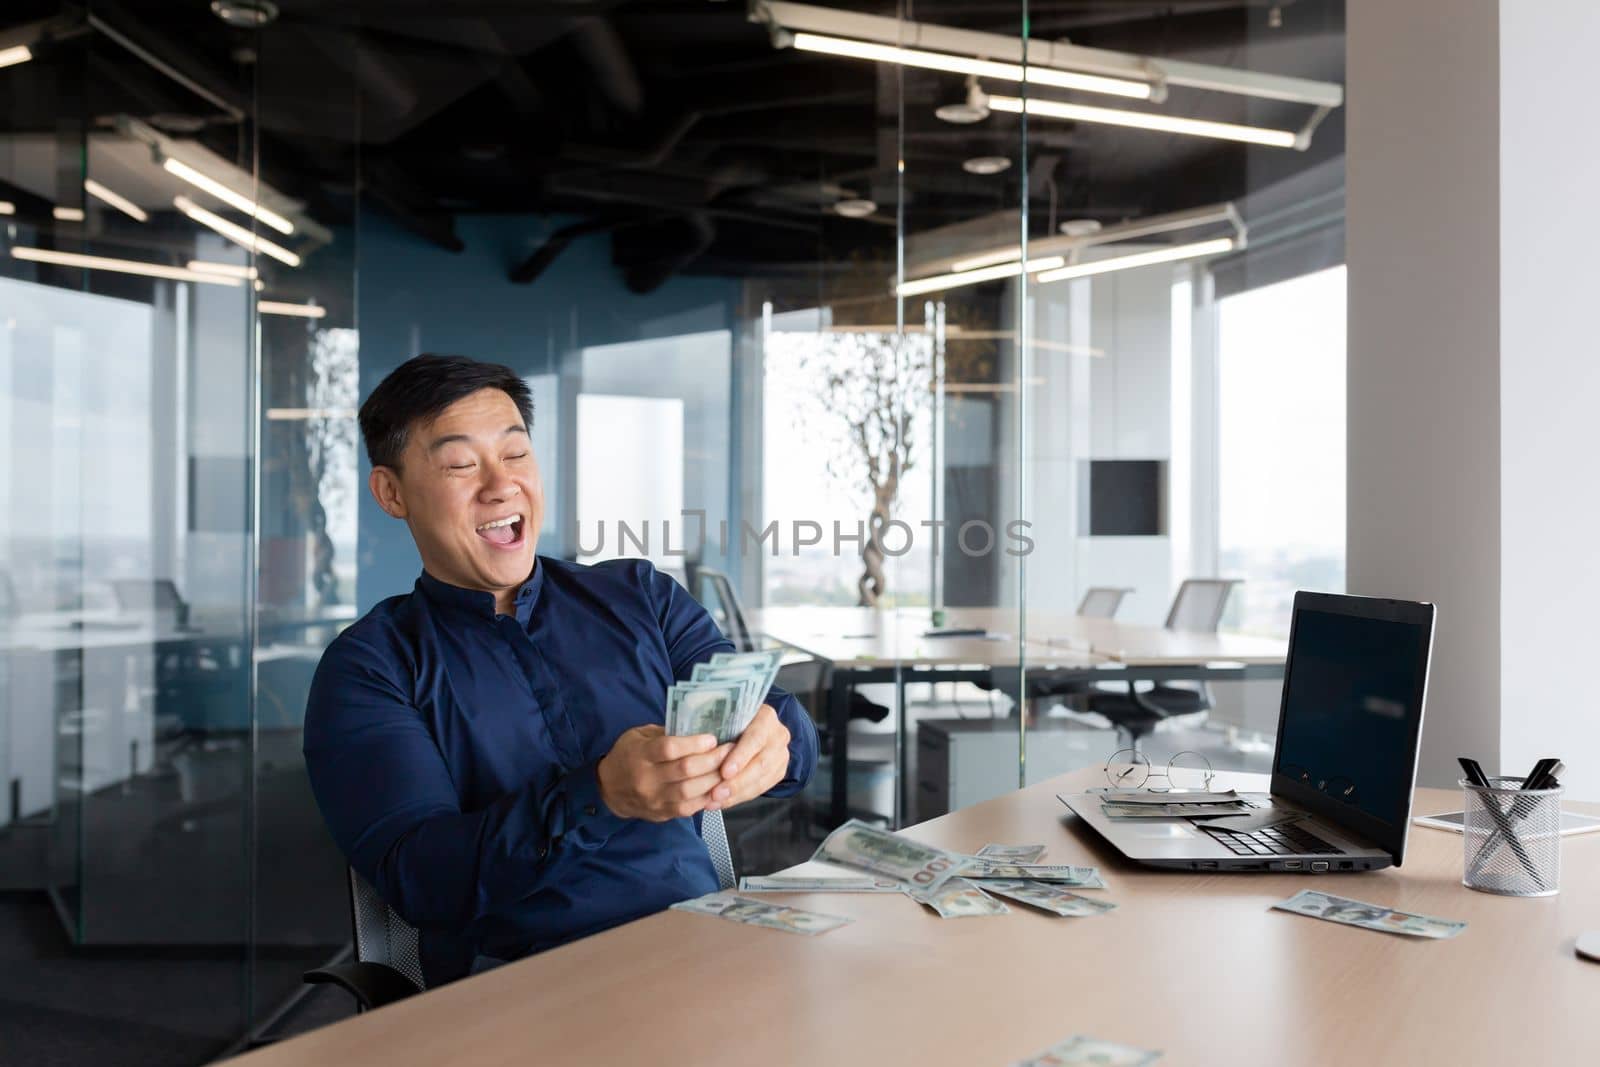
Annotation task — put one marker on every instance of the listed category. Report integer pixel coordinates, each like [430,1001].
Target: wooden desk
[1196,965]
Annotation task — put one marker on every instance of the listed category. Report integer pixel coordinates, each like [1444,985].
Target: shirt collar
[479,602]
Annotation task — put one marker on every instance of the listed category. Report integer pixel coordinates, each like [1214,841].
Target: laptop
[1349,725]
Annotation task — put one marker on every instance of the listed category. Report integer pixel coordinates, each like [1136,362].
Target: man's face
[468,486]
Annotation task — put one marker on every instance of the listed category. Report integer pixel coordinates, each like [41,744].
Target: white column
[1472,380]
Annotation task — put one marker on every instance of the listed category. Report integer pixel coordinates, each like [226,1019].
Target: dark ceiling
[674,125]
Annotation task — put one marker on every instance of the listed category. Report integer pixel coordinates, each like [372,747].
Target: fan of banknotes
[722,696]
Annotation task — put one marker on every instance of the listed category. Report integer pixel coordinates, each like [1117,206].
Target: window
[1281,459]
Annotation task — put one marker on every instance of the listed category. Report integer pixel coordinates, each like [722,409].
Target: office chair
[723,604]
[388,959]
[1197,607]
[1102,601]
[154,596]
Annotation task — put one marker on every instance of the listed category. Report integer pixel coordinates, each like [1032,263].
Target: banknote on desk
[1064,874]
[867,848]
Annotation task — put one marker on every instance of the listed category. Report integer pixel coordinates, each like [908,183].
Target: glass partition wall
[928,344]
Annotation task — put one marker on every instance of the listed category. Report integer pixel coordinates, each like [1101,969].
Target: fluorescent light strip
[940,282]
[116,200]
[121,266]
[10,57]
[235,233]
[180,169]
[285,414]
[68,214]
[1138,259]
[1225,131]
[1004,255]
[279,307]
[982,68]
[230,270]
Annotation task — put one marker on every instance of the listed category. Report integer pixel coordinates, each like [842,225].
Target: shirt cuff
[589,823]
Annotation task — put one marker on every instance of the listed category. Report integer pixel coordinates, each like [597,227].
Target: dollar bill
[867,848]
[958,898]
[1175,796]
[1080,1050]
[1011,853]
[1368,916]
[749,678]
[1173,811]
[1048,897]
[780,884]
[760,913]
[1063,874]
[703,708]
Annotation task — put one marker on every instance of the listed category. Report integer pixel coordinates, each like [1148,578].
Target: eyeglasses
[1186,772]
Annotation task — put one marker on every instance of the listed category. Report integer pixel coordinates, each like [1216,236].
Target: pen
[1502,821]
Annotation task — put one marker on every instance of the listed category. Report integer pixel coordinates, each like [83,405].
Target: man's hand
[649,775]
[759,760]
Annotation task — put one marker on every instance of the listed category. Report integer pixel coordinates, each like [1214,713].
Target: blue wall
[415,297]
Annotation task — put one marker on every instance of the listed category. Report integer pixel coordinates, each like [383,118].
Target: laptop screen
[1352,711]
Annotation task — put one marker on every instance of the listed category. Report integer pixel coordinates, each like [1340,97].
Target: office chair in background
[388,961]
[1099,602]
[1198,607]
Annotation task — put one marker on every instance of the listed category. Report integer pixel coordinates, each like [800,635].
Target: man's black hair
[420,389]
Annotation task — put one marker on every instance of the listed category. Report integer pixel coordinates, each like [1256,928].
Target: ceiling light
[122,266]
[286,414]
[986,164]
[279,307]
[855,208]
[116,200]
[235,233]
[987,259]
[972,106]
[1030,74]
[1079,227]
[10,57]
[7,208]
[180,169]
[1144,120]
[956,279]
[67,214]
[232,270]
[1139,259]
[245,14]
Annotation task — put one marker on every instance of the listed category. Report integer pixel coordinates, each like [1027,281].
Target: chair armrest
[372,984]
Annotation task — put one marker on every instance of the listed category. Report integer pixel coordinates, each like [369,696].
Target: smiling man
[488,749]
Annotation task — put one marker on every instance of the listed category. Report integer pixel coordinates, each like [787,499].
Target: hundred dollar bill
[958,898]
[780,884]
[1173,811]
[1011,853]
[764,663]
[760,913]
[1082,1051]
[867,848]
[1063,874]
[1368,916]
[703,708]
[749,678]
[1048,897]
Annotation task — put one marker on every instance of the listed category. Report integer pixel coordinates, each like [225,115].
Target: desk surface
[1196,965]
[872,637]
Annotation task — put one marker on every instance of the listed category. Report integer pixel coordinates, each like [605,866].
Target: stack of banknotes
[1139,804]
[722,696]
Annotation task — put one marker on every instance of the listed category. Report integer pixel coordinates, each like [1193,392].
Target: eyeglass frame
[1208,773]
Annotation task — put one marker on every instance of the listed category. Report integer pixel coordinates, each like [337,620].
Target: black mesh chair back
[388,963]
[716,594]
[1102,602]
[1200,603]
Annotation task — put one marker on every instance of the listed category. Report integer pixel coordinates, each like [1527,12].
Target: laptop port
[1318,866]
[1208,865]
[1346,865]
[1292,865]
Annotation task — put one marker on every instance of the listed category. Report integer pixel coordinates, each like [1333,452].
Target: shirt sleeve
[388,798]
[692,636]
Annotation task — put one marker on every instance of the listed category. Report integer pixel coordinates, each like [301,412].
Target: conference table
[1197,965]
[998,647]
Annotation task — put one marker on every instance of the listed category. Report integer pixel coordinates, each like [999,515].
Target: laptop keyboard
[1285,840]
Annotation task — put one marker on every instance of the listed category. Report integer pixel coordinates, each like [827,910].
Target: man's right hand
[651,775]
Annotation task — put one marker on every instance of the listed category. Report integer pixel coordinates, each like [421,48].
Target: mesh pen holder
[1512,839]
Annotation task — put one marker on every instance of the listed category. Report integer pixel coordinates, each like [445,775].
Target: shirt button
[589,809]
[543,851]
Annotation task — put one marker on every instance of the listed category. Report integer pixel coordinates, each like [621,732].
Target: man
[488,750]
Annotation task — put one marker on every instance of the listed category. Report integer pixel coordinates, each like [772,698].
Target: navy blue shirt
[452,751]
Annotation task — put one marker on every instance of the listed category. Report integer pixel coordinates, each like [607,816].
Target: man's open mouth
[504,532]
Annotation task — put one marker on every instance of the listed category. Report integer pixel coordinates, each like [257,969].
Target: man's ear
[385,486]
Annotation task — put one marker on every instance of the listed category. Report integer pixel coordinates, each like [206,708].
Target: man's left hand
[758,762]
